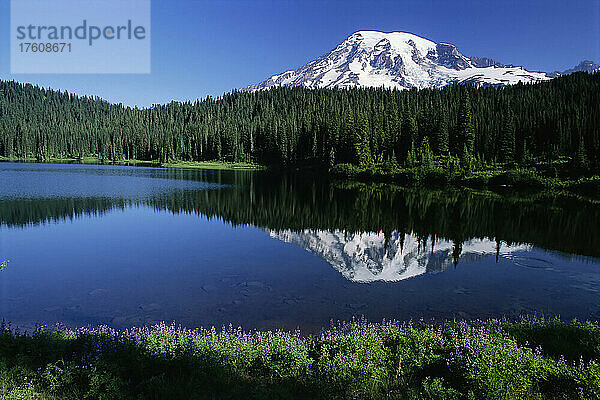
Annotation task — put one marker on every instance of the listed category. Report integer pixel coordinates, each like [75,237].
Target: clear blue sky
[202,48]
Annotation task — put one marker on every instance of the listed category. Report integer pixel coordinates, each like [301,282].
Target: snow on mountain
[584,66]
[398,60]
[368,257]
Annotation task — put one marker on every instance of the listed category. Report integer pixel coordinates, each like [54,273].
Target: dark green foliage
[303,201]
[496,359]
[506,141]
[581,160]
[426,155]
[408,138]
[559,339]
[589,186]
[440,137]
[363,143]
[466,132]
[286,126]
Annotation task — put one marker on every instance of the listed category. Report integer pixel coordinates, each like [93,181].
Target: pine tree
[411,157]
[362,143]
[331,157]
[581,160]
[440,134]
[525,156]
[466,132]
[506,142]
[348,139]
[426,154]
[290,125]
[409,132]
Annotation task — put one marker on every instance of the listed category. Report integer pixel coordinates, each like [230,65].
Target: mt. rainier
[398,60]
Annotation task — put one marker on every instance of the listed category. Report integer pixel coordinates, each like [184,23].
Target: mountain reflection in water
[131,246]
[368,257]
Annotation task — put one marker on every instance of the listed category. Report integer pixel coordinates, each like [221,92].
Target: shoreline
[525,358]
[211,165]
[520,179]
[524,179]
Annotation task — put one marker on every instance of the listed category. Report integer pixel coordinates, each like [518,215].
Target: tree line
[287,126]
[300,202]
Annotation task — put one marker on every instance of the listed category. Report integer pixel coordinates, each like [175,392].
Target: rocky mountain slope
[403,61]
[398,60]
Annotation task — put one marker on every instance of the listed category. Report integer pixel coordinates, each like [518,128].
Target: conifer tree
[581,161]
[362,143]
[440,134]
[426,155]
[348,139]
[286,125]
[506,145]
[409,131]
[466,132]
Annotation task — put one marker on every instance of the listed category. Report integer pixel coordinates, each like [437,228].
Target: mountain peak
[584,66]
[397,37]
[400,60]
[588,66]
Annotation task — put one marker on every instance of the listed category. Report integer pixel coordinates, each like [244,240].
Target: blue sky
[202,48]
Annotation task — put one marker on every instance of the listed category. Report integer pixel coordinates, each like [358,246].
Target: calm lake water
[130,246]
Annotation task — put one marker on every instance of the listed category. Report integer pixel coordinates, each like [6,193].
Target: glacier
[398,60]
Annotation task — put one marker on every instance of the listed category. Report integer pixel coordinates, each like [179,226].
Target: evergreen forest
[458,127]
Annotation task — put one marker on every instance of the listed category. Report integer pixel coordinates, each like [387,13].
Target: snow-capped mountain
[368,257]
[584,66]
[398,60]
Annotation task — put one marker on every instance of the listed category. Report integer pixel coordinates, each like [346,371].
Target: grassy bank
[497,359]
[488,177]
[143,163]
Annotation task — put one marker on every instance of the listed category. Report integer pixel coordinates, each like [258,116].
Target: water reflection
[274,250]
[369,257]
[281,203]
[41,182]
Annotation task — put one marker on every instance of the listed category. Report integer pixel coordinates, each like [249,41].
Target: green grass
[144,163]
[496,359]
[213,165]
[531,178]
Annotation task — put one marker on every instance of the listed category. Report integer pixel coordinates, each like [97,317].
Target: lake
[129,246]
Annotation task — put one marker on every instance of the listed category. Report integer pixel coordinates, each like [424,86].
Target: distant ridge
[584,66]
